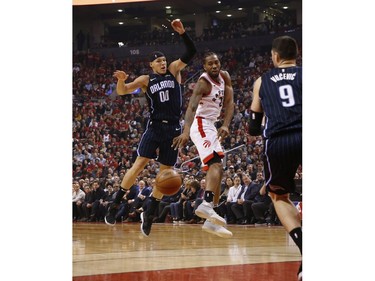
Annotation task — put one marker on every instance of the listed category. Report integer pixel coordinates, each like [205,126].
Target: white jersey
[203,131]
[211,104]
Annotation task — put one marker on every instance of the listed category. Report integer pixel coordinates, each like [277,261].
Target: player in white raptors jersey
[203,131]
[212,92]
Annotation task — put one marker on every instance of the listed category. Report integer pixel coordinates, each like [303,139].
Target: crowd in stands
[106,132]
[220,31]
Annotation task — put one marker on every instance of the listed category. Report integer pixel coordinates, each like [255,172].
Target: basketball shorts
[157,140]
[204,135]
[282,156]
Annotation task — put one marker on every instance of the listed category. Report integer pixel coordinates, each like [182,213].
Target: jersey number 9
[286,94]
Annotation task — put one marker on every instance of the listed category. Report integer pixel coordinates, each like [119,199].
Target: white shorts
[204,135]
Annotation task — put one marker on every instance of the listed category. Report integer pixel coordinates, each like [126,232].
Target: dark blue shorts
[156,142]
[283,155]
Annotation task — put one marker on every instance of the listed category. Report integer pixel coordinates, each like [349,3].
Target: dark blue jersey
[164,97]
[281,97]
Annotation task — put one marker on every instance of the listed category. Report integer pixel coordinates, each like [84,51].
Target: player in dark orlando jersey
[163,93]
[278,96]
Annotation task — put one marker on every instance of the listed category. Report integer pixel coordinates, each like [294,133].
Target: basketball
[168,182]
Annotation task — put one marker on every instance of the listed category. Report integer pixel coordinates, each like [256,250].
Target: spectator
[177,207]
[85,208]
[192,205]
[250,197]
[78,196]
[98,195]
[110,194]
[135,208]
[165,208]
[129,197]
[233,193]
[261,206]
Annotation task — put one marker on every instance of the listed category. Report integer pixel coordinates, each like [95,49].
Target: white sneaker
[216,229]
[206,211]
[300,272]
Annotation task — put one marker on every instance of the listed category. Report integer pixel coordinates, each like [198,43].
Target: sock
[296,235]
[208,196]
[154,204]
[120,193]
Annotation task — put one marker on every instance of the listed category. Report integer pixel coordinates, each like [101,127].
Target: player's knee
[276,193]
[216,160]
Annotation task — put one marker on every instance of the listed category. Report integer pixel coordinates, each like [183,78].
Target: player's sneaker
[216,229]
[146,224]
[110,218]
[299,275]
[206,211]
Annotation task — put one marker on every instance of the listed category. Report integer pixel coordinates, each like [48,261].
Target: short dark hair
[286,47]
[207,54]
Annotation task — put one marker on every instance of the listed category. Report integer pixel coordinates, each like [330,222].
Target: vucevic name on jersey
[164,97]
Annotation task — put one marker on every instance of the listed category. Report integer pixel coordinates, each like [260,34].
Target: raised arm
[179,64]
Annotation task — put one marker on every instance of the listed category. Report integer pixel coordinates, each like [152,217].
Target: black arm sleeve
[190,48]
[255,123]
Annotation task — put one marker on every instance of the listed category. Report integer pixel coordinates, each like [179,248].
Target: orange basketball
[168,182]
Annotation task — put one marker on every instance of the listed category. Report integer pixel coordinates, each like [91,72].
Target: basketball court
[182,252]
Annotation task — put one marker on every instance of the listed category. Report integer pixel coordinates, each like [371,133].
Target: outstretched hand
[180,141]
[178,26]
[120,75]
[222,133]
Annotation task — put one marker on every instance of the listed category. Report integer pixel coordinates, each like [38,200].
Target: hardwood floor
[182,252]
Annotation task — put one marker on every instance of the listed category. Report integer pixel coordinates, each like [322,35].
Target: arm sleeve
[190,48]
[255,123]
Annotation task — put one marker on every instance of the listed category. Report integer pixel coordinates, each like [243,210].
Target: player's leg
[286,211]
[217,197]
[126,184]
[146,150]
[208,225]
[283,156]
[204,136]
[155,198]
[290,219]
[213,182]
[167,158]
